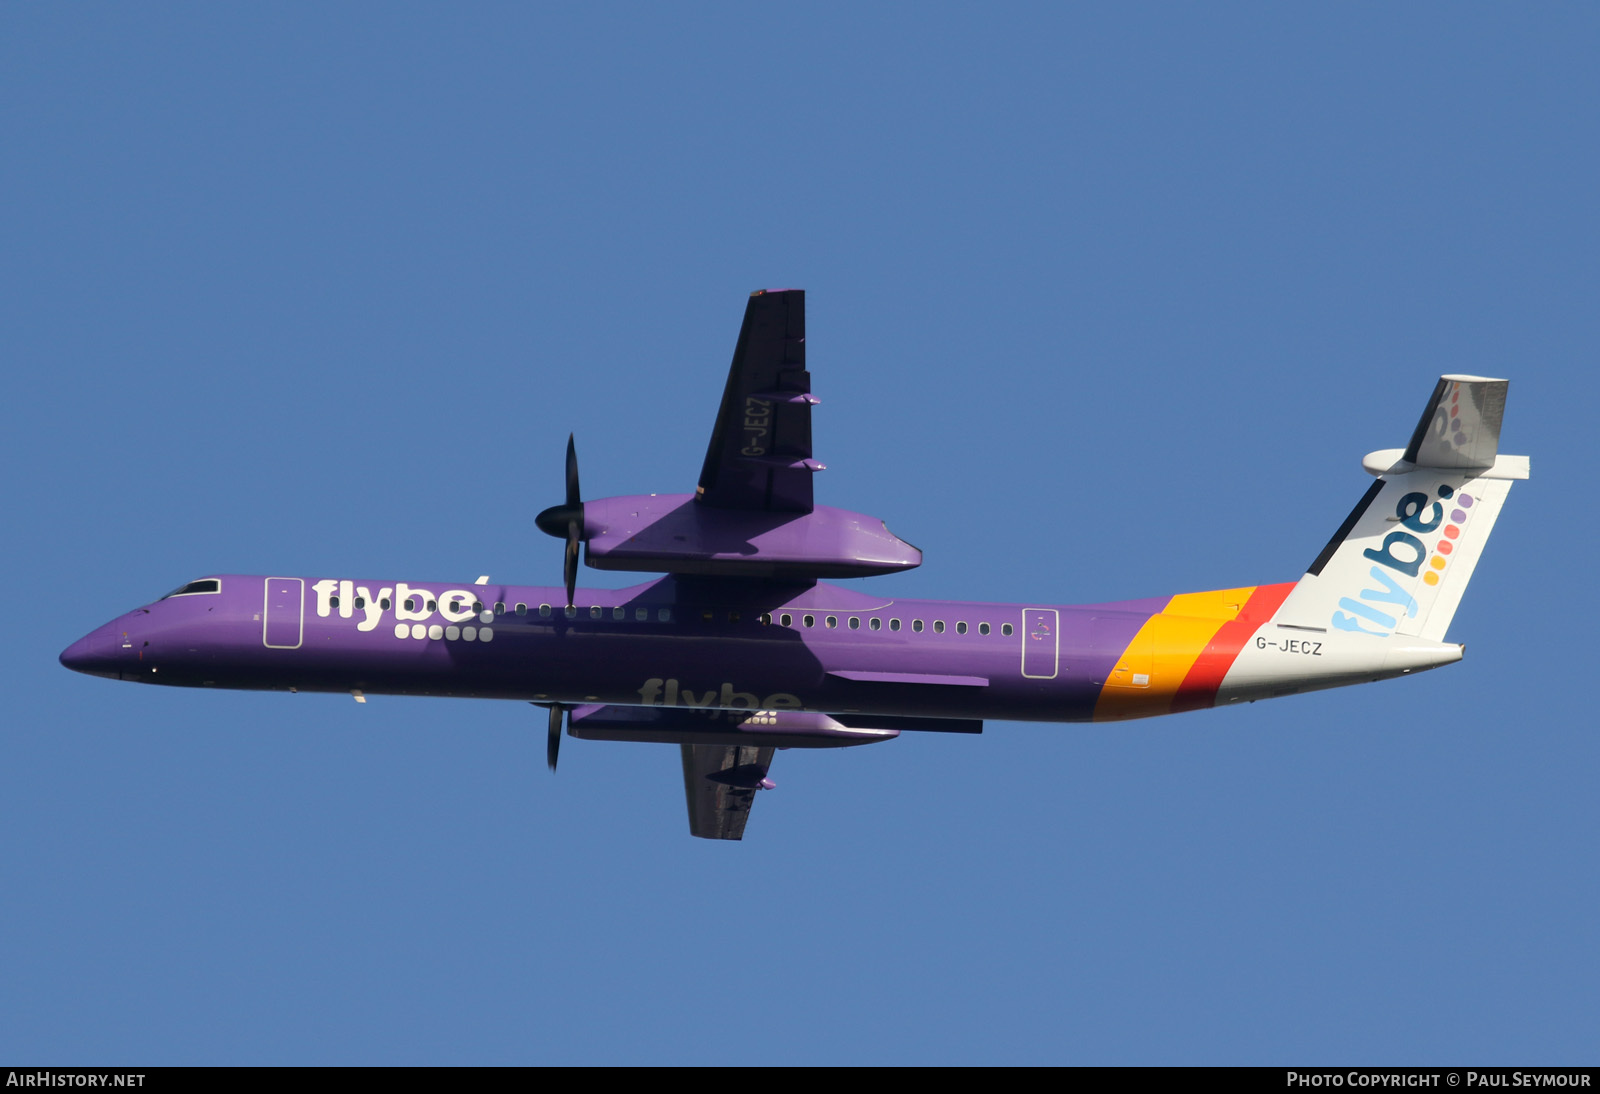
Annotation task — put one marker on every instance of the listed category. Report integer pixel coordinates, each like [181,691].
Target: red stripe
[1200,684]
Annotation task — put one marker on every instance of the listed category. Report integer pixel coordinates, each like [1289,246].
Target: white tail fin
[1402,559]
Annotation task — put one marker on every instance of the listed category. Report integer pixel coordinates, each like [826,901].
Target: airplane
[742,647]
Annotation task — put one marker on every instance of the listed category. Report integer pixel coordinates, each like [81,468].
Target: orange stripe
[1199,687]
[1147,675]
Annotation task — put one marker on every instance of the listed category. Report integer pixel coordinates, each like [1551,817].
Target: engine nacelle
[755,728]
[673,533]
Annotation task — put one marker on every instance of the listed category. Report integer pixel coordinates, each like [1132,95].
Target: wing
[760,454]
[720,782]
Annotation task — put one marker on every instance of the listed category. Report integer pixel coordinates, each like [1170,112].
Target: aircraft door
[283,613]
[1041,643]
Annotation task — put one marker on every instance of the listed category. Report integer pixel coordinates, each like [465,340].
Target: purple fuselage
[675,641]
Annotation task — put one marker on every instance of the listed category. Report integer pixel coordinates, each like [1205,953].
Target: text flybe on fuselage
[413,607]
[742,648]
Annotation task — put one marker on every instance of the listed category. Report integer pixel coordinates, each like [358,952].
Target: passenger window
[499,607]
[766,619]
[938,626]
[894,624]
[855,623]
[832,621]
[665,615]
[477,605]
[544,610]
[916,625]
[786,619]
[705,615]
[384,603]
[360,603]
[433,605]
[1005,629]
[983,628]
[522,609]
[572,611]
[333,602]
[641,614]
[595,611]
[961,628]
[411,605]
[811,621]
[619,613]
[875,623]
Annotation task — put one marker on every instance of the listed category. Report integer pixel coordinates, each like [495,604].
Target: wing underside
[720,783]
[760,453]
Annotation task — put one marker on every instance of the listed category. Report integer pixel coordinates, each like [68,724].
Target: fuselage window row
[708,615]
[875,623]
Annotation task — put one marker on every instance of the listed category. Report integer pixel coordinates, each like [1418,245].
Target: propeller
[565,521]
[553,745]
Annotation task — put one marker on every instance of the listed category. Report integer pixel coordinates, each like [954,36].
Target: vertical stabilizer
[1402,559]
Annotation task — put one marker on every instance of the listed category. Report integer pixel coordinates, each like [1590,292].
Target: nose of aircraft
[95,653]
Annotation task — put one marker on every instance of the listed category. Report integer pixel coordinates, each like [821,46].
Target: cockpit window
[204,585]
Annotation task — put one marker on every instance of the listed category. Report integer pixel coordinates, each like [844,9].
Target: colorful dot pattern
[1460,505]
[1455,416]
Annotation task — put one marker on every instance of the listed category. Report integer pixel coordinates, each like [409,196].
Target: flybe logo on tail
[1405,554]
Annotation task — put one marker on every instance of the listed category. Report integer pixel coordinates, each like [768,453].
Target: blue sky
[1102,304]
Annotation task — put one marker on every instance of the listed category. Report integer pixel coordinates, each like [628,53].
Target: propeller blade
[553,745]
[574,497]
[569,568]
[565,521]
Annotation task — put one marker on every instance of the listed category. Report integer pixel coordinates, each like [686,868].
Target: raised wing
[752,515]
[760,453]
[720,782]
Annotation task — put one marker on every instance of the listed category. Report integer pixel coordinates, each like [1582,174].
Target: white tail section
[1402,559]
